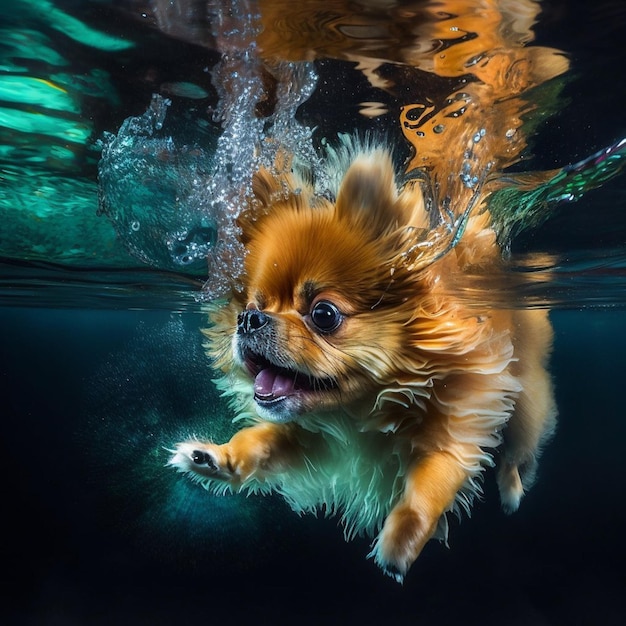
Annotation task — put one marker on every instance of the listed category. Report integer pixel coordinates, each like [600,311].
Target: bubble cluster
[472,168]
[173,201]
[247,143]
[149,178]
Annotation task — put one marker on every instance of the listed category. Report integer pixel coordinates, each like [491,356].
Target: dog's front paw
[203,461]
[402,538]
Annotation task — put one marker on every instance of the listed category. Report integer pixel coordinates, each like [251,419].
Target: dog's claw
[394,573]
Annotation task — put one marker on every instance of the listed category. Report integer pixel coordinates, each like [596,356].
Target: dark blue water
[101,369]
[98,532]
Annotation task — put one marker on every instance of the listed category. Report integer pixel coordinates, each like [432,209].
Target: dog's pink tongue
[271,384]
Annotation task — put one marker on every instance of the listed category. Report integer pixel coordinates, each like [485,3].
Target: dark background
[87,539]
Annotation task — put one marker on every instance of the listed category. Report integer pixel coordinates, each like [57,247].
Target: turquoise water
[106,223]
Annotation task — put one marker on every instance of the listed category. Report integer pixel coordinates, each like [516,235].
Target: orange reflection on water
[474,65]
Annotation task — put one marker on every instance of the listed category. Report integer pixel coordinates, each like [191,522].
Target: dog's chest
[355,475]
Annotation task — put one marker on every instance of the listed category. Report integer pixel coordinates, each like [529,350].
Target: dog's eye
[326,316]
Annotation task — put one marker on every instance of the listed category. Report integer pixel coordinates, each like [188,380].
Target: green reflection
[70,26]
[30,90]
[48,217]
[41,124]
[525,200]
[26,44]
[48,192]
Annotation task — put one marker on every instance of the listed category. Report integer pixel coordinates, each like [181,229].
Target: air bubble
[439,129]
[457,113]
[479,135]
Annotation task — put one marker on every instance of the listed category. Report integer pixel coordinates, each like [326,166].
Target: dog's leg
[253,453]
[534,418]
[530,426]
[430,489]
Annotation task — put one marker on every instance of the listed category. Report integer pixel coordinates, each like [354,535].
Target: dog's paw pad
[202,461]
[200,457]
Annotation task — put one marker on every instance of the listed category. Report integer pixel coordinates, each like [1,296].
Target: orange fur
[373,389]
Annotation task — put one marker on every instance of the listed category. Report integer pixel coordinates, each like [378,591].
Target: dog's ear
[368,195]
[264,187]
[270,191]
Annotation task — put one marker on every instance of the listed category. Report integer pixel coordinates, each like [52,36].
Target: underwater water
[128,133]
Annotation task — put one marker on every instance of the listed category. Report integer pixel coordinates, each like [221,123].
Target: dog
[369,388]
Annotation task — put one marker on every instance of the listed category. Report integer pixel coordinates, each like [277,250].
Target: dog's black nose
[251,320]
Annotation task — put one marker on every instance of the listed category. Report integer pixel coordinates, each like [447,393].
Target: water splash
[257,110]
[247,144]
[149,175]
[174,201]
[527,200]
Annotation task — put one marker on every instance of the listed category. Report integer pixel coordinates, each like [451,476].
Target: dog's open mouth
[273,383]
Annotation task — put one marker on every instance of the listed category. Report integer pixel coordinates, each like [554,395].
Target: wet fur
[421,388]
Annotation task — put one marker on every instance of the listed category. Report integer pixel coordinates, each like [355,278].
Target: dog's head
[330,289]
